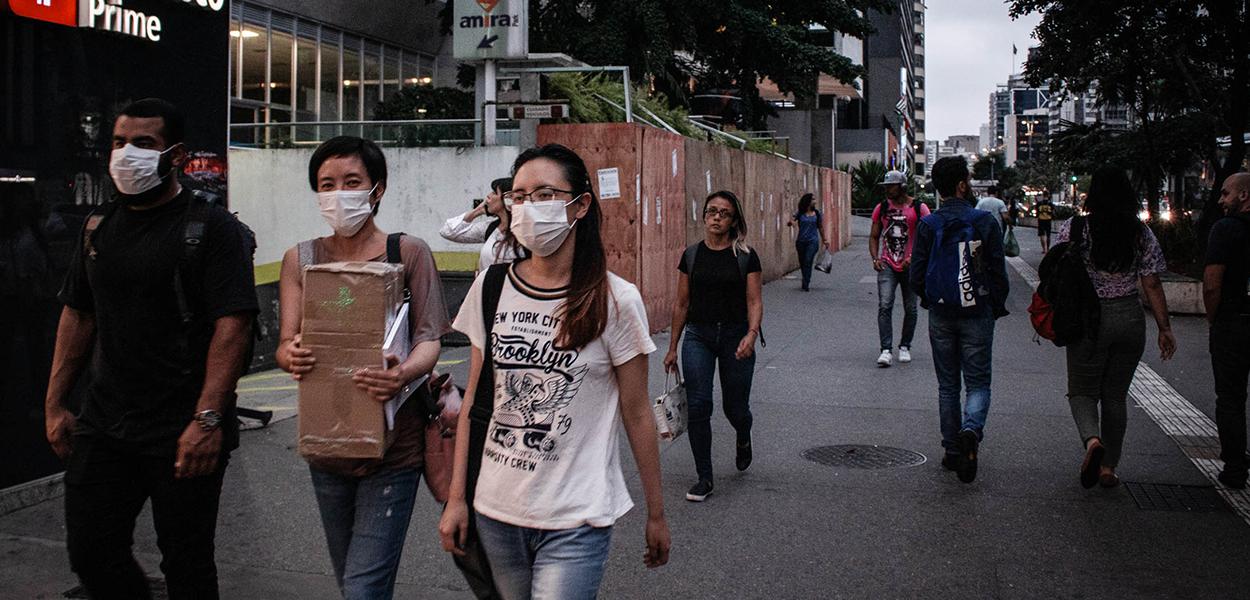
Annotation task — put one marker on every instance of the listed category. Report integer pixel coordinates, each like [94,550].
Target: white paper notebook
[397,345]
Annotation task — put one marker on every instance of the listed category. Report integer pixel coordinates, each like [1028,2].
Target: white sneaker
[885,359]
[904,354]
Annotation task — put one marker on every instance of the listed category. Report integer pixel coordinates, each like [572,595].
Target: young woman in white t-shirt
[569,346]
[470,228]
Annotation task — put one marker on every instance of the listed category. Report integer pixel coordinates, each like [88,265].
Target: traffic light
[1073,178]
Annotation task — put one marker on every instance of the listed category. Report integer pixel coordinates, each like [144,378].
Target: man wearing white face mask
[365,504]
[167,330]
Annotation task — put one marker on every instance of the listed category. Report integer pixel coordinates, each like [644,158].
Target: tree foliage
[1182,65]
[721,44]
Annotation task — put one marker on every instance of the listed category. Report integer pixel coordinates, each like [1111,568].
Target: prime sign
[489,29]
[104,15]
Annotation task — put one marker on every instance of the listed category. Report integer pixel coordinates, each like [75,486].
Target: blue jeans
[807,257]
[887,280]
[962,346]
[707,344]
[543,564]
[366,520]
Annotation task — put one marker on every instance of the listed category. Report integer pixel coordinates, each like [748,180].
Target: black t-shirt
[718,292]
[145,384]
[1229,245]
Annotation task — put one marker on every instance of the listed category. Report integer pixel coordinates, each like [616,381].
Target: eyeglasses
[542,194]
[723,213]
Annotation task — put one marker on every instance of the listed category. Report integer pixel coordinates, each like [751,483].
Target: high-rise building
[1013,98]
[887,122]
[1027,136]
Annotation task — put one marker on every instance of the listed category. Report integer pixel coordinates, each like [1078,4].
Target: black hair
[501,185]
[1114,230]
[584,313]
[805,202]
[349,145]
[174,124]
[947,173]
[993,190]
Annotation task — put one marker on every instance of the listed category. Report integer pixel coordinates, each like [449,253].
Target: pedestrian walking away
[558,359]
[1045,217]
[994,205]
[960,274]
[1120,252]
[1228,312]
[719,310]
[365,504]
[894,220]
[160,298]
[811,237]
[486,224]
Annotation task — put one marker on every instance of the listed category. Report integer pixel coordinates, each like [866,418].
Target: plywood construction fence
[652,185]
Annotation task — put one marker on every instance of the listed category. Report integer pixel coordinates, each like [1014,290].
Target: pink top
[898,231]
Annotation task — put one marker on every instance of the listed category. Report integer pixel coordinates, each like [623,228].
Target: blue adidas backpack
[955,280]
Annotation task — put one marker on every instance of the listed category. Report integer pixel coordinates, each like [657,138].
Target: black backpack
[1066,286]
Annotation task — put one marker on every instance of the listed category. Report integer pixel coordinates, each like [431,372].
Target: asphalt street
[790,527]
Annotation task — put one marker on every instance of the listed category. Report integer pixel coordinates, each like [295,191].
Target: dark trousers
[106,485]
[1230,361]
[807,258]
[705,346]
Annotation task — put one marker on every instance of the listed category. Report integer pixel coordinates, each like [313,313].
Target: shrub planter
[1183,294]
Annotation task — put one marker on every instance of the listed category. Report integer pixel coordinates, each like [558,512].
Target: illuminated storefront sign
[104,15]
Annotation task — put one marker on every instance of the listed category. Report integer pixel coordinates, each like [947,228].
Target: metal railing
[410,133]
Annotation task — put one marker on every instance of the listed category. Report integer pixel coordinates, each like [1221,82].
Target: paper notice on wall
[762,202]
[674,163]
[659,211]
[609,183]
[644,212]
[770,202]
[708,175]
[637,189]
[805,181]
[778,221]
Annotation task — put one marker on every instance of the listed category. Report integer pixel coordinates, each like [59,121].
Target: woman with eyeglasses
[566,349]
[365,504]
[719,307]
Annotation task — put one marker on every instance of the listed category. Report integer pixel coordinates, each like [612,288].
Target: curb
[15,498]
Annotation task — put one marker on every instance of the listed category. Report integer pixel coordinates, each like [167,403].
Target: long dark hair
[805,203]
[584,314]
[1114,230]
[737,233]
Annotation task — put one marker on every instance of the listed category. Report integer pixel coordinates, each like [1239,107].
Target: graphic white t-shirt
[552,458]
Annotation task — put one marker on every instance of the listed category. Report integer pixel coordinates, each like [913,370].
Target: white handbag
[671,413]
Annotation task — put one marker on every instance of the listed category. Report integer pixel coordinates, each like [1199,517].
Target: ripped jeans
[365,521]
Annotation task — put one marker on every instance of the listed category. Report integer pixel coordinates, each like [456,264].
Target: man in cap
[895,220]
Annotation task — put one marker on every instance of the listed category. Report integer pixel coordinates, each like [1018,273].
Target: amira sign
[490,29]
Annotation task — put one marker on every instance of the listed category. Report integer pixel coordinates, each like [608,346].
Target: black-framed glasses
[723,213]
[542,194]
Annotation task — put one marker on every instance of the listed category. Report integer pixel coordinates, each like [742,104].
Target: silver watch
[209,420]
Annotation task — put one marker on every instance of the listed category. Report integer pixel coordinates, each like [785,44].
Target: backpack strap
[744,263]
[687,257]
[89,227]
[393,256]
[484,395]
[490,228]
[195,223]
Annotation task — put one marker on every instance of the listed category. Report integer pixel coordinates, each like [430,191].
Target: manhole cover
[1175,498]
[860,456]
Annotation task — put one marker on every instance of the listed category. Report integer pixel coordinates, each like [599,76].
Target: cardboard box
[349,309]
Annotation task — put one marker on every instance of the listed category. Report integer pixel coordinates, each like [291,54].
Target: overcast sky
[968,52]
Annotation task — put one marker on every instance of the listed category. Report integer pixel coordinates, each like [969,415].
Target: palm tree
[866,191]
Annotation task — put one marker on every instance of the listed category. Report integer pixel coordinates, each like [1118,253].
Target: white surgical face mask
[541,226]
[136,170]
[346,210]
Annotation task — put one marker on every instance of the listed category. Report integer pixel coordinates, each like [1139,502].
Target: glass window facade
[286,69]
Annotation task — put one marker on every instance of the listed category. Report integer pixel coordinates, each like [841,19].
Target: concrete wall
[269,189]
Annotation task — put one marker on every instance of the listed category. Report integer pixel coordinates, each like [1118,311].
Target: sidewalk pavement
[788,527]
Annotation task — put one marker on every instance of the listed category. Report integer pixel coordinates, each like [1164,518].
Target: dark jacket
[991,248]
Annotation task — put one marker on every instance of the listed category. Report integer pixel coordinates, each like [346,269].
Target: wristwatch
[209,420]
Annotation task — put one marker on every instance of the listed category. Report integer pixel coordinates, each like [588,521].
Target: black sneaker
[967,443]
[950,462]
[743,459]
[700,491]
[1236,481]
